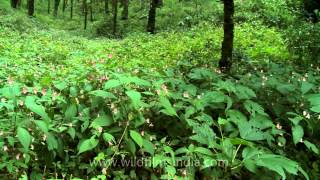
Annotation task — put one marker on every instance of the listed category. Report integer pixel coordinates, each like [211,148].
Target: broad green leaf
[24,137]
[136,137]
[253,108]
[38,109]
[42,125]
[204,151]
[168,109]
[131,146]
[297,134]
[148,146]
[209,162]
[311,146]
[135,97]
[87,145]
[112,84]
[108,138]
[306,87]
[103,94]
[52,142]
[278,164]
[315,109]
[70,112]
[244,92]
[72,132]
[102,121]
[60,85]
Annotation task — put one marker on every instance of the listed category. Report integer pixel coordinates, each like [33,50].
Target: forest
[159,89]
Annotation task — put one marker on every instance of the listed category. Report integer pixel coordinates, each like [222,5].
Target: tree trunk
[56,7]
[71,9]
[49,6]
[225,62]
[85,9]
[64,5]
[91,10]
[152,16]
[14,3]
[106,6]
[30,5]
[125,12]
[115,13]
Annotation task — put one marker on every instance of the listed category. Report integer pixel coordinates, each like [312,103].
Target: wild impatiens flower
[44,92]
[35,91]
[18,156]
[100,129]
[104,171]
[10,81]
[24,90]
[186,95]
[165,88]
[278,126]
[5,148]
[44,137]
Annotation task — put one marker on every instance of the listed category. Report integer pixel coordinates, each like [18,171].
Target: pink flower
[110,56]
[44,92]
[24,90]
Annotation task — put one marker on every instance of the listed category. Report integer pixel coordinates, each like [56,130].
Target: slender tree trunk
[64,5]
[56,7]
[30,5]
[115,14]
[152,16]
[85,9]
[106,6]
[49,6]
[125,12]
[71,9]
[225,62]
[14,3]
[91,11]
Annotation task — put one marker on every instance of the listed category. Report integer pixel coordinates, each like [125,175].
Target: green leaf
[72,132]
[24,137]
[87,145]
[204,151]
[253,108]
[168,109]
[61,85]
[112,84]
[102,121]
[42,125]
[103,94]
[131,146]
[38,109]
[244,92]
[315,109]
[136,137]
[135,97]
[311,146]
[108,138]
[278,164]
[297,134]
[70,112]
[52,142]
[209,162]
[306,87]
[148,147]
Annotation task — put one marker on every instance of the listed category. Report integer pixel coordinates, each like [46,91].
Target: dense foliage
[106,103]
